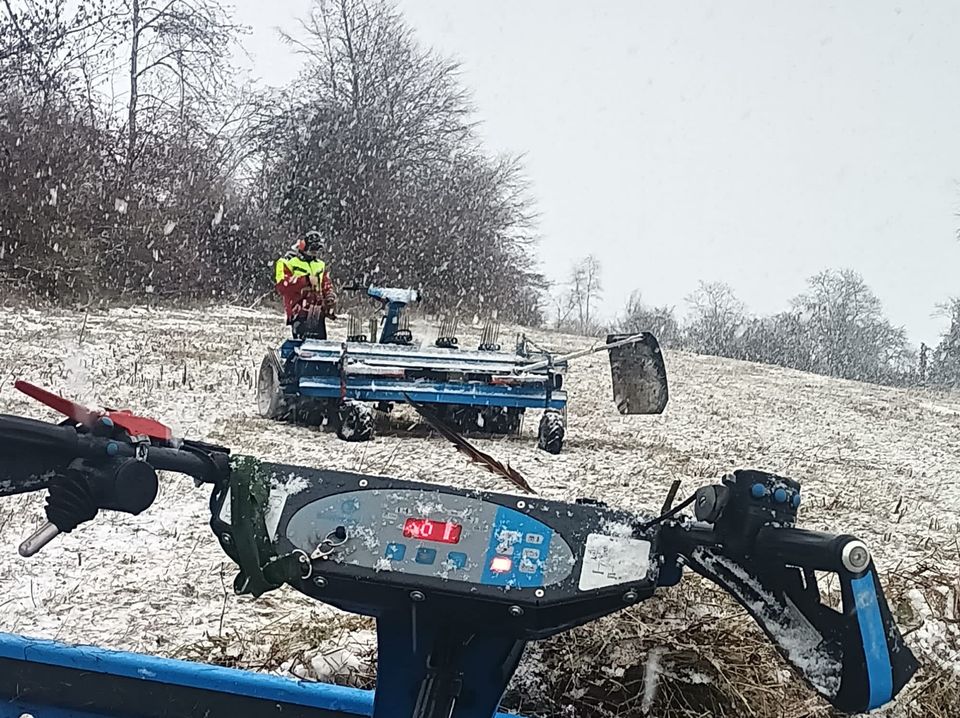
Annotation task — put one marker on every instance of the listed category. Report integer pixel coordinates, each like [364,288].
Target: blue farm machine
[485,389]
[458,580]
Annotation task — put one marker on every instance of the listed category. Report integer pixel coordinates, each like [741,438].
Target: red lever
[71,409]
[129,422]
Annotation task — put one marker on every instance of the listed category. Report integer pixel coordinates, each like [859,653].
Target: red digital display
[427,530]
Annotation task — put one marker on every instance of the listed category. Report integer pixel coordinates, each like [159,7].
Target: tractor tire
[272,403]
[356,421]
[552,430]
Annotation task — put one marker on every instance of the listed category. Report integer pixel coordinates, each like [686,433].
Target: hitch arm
[855,657]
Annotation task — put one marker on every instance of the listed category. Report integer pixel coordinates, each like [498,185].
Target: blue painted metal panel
[175,672]
[433,392]
[876,653]
[288,348]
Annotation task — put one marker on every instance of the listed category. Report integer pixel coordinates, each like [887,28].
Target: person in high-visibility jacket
[303,280]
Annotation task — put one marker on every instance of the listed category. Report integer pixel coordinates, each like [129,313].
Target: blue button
[795,501]
[395,551]
[113,448]
[758,491]
[426,555]
[780,496]
[457,559]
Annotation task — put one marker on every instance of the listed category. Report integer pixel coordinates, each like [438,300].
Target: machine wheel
[501,420]
[550,437]
[271,402]
[463,418]
[311,412]
[355,421]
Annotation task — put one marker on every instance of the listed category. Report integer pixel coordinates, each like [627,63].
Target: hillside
[878,462]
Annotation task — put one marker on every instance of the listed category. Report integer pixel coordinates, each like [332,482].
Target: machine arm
[745,542]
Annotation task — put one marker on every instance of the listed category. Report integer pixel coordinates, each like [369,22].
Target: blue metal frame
[324,697]
[316,374]
[483,665]
[425,392]
[874,637]
[391,321]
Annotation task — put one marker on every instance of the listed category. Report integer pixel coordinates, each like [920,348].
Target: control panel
[376,543]
[450,536]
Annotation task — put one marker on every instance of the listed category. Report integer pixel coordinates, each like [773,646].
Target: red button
[501,564]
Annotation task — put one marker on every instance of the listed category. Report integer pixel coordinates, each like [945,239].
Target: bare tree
[584,289]
[185,183]
[660,321]
[178,50]
[945,362]
[377,149]
[849,335]
[716,317]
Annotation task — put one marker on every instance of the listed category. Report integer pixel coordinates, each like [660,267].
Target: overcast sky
[755,143]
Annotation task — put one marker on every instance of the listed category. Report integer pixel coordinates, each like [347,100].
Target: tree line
[135,163]
[836,328]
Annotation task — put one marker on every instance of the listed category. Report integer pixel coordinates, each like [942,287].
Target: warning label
[610,560]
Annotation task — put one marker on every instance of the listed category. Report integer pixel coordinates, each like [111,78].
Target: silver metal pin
[40,538]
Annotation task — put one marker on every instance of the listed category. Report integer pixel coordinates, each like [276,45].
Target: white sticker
[275,504]
[610,560]
[225,509]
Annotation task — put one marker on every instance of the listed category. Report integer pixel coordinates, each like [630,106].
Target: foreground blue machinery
[46,679]
[458,580]
[485,389]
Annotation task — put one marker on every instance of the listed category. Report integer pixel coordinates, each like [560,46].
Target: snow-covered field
[878,462]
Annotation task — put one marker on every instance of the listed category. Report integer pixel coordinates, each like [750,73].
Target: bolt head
[515,611]
[319,581]
[855,556]
[226,538]
[630,596]
[417,596]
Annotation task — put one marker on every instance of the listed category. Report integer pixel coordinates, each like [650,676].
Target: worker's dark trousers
[304,328]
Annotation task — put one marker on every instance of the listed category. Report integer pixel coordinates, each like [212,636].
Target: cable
[669,514]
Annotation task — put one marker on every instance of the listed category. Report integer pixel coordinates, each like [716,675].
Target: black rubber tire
[551,432]
[310,412]
[501,421]
[271,401]
[356,421]
[462,418]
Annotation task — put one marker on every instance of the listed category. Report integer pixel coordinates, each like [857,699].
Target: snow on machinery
[458,580]
[487,389]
